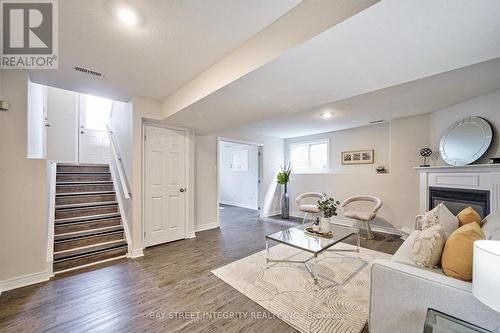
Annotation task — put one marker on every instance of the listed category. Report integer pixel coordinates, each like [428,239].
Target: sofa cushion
[491,226]
[440,215]
[457,253]
[404,254]
[468,215]
[428,247]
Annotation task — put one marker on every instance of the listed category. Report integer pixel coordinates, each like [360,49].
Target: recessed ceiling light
[127,16]
[326,115]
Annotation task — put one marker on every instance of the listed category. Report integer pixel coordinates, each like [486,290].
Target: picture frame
[358,157]
[239,161]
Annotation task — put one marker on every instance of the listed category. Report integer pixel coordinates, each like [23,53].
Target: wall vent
[377,121]
[88,71]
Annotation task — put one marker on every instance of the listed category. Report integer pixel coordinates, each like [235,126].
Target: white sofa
[401,293]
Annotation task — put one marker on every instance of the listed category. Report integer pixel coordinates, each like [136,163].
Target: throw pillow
[440,215]
[403,254]
[457,253]
[468,215]
[428,247]
[491,226]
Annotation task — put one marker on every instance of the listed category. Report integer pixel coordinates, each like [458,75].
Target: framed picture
[357,157]
[240,160]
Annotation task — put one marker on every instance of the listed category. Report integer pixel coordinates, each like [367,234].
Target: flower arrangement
[284,176]
[328,206]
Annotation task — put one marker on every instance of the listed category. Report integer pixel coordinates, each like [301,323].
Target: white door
[61,123]
[94,139]
[165,179]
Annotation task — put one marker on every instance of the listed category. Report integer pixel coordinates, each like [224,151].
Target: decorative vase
[324,225]
[285,205]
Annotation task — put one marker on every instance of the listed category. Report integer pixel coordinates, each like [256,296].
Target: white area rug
[339,303]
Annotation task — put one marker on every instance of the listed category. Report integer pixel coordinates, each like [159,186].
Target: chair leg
[369,233]
[305,217]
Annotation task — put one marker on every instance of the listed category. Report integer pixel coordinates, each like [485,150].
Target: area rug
[338,303]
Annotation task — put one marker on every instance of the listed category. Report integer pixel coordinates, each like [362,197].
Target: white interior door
[94,140]
[61,123]
[165,180]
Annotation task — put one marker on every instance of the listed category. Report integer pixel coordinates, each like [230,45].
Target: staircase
[87,224]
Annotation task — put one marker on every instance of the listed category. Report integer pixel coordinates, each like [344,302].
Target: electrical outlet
[4,106]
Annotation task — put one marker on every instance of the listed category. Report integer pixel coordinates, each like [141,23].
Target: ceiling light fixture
[326,115]
[127,16]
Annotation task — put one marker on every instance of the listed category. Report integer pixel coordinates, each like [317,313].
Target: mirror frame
[487,139]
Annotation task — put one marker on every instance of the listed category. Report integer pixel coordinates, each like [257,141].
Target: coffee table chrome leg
[267,251]
[316,268]
[357,242]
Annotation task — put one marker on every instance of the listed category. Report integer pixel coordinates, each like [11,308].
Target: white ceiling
[177,40]
[388,44]
[407,99]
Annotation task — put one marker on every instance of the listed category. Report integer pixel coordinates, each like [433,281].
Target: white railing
[51,193]
[122,191]
[119,165]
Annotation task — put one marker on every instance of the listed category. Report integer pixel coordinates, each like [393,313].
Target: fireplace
[457,199]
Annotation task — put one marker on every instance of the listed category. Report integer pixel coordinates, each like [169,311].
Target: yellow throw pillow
[468,215]
[457,253]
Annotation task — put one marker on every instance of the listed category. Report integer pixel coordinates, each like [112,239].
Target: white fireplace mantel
[474,176]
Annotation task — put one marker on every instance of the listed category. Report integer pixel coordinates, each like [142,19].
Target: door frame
[189,233]
[260,147]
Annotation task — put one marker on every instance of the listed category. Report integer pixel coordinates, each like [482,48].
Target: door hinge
[144,234]
[144,138]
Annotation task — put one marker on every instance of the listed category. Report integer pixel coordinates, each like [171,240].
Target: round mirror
[465,141]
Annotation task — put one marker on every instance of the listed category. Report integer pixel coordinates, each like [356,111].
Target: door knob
[47,125]
[182,190]
[81,132]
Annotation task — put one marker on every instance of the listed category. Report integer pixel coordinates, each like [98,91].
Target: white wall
[486,106]
[206,173]
[396,144]
[23,232]
[238,188]
[122,127]
[36,120]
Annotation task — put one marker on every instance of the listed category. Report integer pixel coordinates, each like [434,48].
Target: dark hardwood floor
[170,289]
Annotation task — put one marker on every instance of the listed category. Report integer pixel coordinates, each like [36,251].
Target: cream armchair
[364,216]
[308,208]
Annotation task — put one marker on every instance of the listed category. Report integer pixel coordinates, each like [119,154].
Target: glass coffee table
[297,238]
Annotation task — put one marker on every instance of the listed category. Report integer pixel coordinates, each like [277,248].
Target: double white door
[165,190]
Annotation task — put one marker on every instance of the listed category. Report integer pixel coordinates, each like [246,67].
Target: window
[310,156]
[97,113]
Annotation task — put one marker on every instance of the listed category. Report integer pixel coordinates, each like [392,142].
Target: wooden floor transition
[170,289]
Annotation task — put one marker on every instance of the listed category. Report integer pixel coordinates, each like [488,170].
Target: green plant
[284,176]
[328,206]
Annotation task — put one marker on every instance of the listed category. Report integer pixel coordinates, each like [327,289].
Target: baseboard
[205,226]
[132,254]
[269,214]
[351,223]
[191,235]
[238,204]
[24,280]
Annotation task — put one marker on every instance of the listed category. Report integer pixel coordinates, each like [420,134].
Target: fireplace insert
[457,199]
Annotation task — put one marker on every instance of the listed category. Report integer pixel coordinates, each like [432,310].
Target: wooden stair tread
[88,204]
[86,218]
[83,172]
[85,182]
[90,259]
[87,232]
[64,194]
[85,250]
[87,225]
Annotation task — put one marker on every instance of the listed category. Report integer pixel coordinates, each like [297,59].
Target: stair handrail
[119,165]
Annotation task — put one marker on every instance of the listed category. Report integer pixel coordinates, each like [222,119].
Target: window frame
[309,143]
